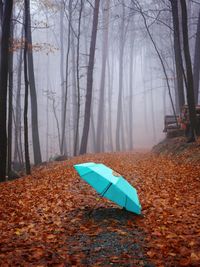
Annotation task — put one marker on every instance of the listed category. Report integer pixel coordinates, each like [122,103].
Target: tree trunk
[18,155]
[190,85]
[76,140]
[10,104]
[196,66]
[130,113]
[86,126]
[119,128]
[33,94]
[74,93]
[178,56]
[62,60]
[63,137]
[26,146]
[101,109]
[110,89]
[3,85]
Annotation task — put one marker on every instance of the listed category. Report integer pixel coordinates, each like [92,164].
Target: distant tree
[76,138]
[90,69]
[119,126]
[101,108]
[162,62]
[4,59]
[110,93]
[131,57]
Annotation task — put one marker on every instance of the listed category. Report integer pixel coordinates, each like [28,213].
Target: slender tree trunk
[86,126]
[130,113]
[33,94]
[57,121]
[26,139]
[110,89]
[152,107]
[63,137]
[76,141]
[178,56]
[190,84]
[3,86]
[100,119]
[92,132]
[196,66]
[62,59]
[121,76]
[74,93]
[17,148]
[143,69]
[10,106]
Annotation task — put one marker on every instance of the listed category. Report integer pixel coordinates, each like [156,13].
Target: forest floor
[53,218]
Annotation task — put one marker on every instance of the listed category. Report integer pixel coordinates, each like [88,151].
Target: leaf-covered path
[53,218]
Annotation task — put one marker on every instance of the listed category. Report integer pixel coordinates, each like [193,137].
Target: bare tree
[4,58]
[76,139]
[140,10]
[10,102]
[189,74]
[101,109]
[26,139]
[33,94]
[178,55]
[63,148]
[119,126]
[86,126]
[18,155]
[196,66]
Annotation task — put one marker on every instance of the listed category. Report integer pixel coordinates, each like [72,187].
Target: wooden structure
[179,125]
[171,122]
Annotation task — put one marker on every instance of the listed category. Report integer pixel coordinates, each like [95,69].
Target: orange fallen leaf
[151,253]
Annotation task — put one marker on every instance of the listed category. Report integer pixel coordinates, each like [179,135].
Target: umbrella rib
[105,190]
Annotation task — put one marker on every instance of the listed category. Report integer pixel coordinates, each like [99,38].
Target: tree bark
[10,103]
[3,86]
[26,146]
[63,137]
[86,126]
[76,139]
[189,74]
[178,56]
[33,94]
[18,140]
[196,66]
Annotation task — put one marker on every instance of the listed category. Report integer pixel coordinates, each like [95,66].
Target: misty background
[135,95]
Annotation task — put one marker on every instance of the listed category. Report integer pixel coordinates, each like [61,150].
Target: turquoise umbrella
[110,185]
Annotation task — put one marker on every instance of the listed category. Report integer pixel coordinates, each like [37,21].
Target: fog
[132,72]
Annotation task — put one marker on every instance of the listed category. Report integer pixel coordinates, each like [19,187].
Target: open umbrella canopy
[110,185]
